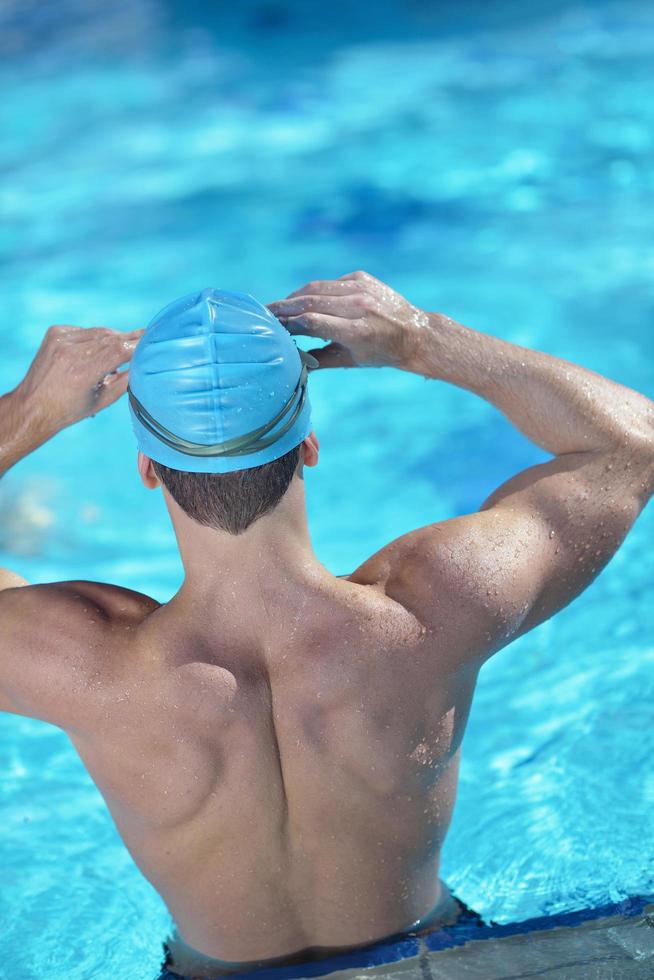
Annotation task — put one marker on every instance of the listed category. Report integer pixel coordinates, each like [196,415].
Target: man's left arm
[47,631]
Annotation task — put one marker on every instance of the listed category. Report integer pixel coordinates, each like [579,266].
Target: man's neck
[275,550]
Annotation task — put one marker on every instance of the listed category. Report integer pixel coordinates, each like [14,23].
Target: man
[278,746]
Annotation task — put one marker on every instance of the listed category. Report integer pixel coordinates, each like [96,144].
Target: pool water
[496,164]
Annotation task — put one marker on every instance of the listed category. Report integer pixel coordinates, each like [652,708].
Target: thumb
[334,355]
[113,386]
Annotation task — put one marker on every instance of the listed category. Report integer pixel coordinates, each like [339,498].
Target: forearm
[21,429]
[558,405]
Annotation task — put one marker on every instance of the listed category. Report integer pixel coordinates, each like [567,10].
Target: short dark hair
[230,501]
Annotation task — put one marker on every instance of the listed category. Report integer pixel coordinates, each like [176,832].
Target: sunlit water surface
[501,171]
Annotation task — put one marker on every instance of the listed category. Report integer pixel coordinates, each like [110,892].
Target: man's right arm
[540,539]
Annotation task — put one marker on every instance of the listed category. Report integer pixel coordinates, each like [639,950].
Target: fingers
[102,348]
[317,325]
[341,306]
[327,287]
[114,347]
[129,342]
[334,355]
[111,387]
[110,332]
[360,276]
[127,337]
[352,282]
[106,351]
[64,331]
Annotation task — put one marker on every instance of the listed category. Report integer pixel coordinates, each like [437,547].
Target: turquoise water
[497,167]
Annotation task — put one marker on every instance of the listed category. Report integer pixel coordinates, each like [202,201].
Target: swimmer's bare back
[278,746]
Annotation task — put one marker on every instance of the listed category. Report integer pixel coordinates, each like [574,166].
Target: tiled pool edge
[461,935]
[574,946]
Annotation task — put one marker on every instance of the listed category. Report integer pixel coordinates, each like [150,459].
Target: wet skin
[279,747]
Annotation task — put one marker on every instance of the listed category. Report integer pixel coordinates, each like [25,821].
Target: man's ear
[311,449]
[146,470]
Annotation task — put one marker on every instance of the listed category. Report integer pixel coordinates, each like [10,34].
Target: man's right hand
[367,322]
[75,374]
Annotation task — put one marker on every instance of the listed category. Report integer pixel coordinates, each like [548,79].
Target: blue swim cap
[216,384]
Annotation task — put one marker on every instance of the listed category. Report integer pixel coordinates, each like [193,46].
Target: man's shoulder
[434,562]
[111,602]
[456,577]
[114,602]
[58,636]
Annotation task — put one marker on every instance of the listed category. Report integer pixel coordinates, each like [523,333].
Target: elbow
[640,462]
[647,425]
[641,442]
[631,453]
[636,434]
